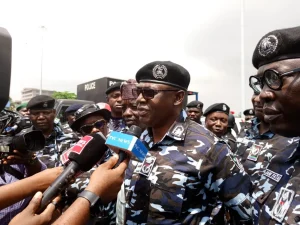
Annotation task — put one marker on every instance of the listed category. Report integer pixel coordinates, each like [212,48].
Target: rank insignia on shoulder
[178,131]
[254,152]
[147,166]
[282,204]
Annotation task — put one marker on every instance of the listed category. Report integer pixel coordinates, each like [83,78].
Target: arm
[14,192]
[233,182]
[105,182]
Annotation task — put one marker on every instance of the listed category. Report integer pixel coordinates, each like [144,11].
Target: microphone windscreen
[5,66]
[135,131]
[88,151]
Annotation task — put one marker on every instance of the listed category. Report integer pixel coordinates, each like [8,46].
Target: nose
[266,95]
[127,112]
[140,99]
[218,123]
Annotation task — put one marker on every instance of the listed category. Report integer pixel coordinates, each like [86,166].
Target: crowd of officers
[194,173]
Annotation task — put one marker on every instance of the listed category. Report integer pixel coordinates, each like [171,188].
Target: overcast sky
[86,40]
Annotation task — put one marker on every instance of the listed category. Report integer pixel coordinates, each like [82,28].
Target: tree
[64,95]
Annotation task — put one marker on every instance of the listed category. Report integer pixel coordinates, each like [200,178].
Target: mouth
[130,122]
[271,114]
[118,106]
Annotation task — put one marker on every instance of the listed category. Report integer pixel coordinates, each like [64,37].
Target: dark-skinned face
[160,110]
[115,102]
[217,122]
[42,119]
[194,114]
[258,107]
[130,112]
[90,120]
[282,107]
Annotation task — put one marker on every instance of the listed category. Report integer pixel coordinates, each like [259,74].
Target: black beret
[164,72]
[73,108]
[277,45]
[195,104]
[90,109]
[217,107]
[249,112]
[41,102]
[116,86]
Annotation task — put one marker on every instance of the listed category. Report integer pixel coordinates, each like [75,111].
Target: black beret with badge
[41,102]
[116,86]
[164,72]
[195,104]
[277,45]
[217,107]
[249,112]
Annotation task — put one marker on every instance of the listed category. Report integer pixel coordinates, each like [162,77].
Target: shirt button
[297,219]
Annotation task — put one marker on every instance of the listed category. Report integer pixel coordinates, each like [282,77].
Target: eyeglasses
[255,84]
[147,93]
[273,79]
[87,128]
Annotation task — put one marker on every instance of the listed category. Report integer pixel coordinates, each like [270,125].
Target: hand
[47,177]
[17,158]
[105,181]
[29,217]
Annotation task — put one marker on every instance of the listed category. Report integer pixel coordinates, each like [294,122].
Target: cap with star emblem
[277,45]
[164,72]
[217,107]
[41,102]
[249,112]
[195,104]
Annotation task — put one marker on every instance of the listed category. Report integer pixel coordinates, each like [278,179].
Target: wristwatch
[91,197]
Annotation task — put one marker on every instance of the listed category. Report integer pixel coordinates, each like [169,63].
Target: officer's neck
[263,127]
[160,131]
[48,132]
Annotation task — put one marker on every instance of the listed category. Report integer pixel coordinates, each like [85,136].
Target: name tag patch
[272,175]
[147,165]
[282,204]
[254,152]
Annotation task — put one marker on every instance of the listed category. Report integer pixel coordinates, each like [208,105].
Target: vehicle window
[61,115]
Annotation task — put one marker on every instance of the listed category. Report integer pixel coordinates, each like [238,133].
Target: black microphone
[83,156]
[5,66]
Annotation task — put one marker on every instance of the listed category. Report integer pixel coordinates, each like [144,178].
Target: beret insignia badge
[160,71]
[268,45]
[45,105]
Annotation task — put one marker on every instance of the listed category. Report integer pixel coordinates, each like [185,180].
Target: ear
[179,97]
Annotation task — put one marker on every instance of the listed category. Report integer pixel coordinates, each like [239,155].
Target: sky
[87,40]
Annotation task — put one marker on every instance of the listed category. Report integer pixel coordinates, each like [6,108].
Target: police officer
[42,115]
[194,111]
[113,96]
[276,58]
[186,169]
[249,114]
[69,113]
[231,126]
[22,109]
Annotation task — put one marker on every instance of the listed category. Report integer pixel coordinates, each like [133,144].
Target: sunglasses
[272,78]
[87,128]
[148,93]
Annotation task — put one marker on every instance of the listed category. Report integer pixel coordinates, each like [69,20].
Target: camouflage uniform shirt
[116,124]
[183,177]
[56,143]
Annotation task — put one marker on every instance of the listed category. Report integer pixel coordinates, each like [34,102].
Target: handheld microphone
[127,144]
[82,156]
[5,66]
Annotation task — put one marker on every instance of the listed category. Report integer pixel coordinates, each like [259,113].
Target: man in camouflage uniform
[42,115]
[187,169]
[276,194]
[113,95]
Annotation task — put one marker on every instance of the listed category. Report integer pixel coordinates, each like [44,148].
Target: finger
[46,215]
[111,162]
[35,202]
[123,165]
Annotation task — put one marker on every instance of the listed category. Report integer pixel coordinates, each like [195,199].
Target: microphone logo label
[80,145]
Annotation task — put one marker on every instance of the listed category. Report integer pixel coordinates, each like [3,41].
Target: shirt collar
[253,132]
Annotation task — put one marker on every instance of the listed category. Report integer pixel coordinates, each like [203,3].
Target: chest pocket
[167,192]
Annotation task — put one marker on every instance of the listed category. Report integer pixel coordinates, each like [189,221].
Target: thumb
[35,202]
[112,161]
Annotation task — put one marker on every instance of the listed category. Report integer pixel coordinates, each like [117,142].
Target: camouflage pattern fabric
[56,143]
[183,178]
[116,124]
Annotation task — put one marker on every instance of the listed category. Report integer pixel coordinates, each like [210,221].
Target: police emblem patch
[160,71]
[224,108]
[178,131]
[254,152]
[45,105]
[268,45]
[282,204]
[147,166]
